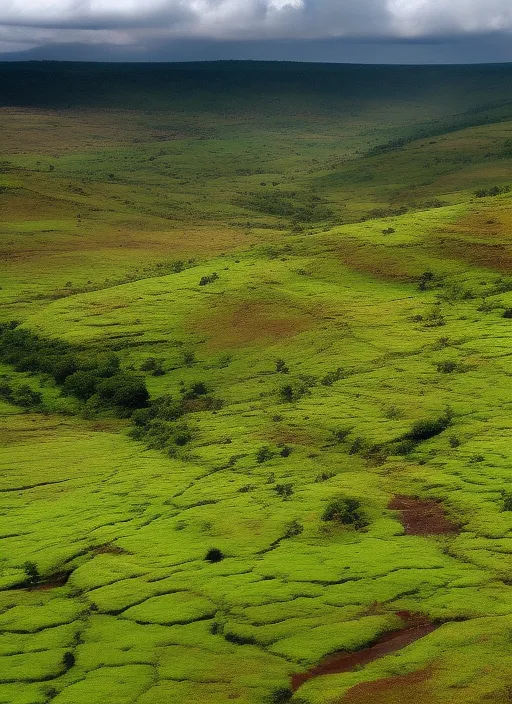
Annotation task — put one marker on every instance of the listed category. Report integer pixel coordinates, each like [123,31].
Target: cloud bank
[141,24]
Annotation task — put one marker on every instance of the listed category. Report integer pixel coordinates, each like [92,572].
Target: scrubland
[308,268]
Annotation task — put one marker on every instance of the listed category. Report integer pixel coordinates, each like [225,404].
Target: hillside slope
[309,266]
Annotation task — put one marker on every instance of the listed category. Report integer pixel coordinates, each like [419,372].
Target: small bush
[345,511]
[331,377]
[281,367]
[123,390]
[447,366]
[284,490]
[281,695]
[507,313]
[324,476]
[264,454]
[214,555]
[293,529]
[208,279]
[68,660]
[493,191]
[426,429]
[286,451]
[426,281]
[195,390]
[341,434]
[189,359]
[152,365]
[25,397]
[507,501]
[33,576]
[454,441]
[357,446]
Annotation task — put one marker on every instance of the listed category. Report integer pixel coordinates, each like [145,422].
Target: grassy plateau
[255,384]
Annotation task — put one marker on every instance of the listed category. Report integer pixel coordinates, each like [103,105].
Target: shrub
[284,490]
[153,365]
[293,529]
[331,377]
[507,313]
[208,279]
[125,391]
[341,434]
[507,501]
[81,384]
[454,441]
[447,366]
[264,454]
[324,476]
[281,367]
[195,390]
[345,511]
[25,397]
[214,555]
[286,451]
[493,191]
[426,281]
[64,367]
[33,576]
[189,358]
[293,391]
[68,660]
[356,446]
[281,695]
[426,429]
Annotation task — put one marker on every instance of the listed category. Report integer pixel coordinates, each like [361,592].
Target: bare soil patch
[422,516]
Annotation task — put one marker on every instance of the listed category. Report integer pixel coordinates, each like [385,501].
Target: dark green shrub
[25,397]
[214,555]
[81,384]
[357,446]
[33,576]
[341,434]
[281,367]
[189,359]
[324,476]
[426,429]
[284,490]
[454,441]
[281,695]
[152,365]
[68,660]
[507,501]
[264,454]
[123,390]
[64,367]
[507,313]
[426,280]
[293,529]
[448,366]
[331,377]
[345,511]
[195,390]
[286,451]
[208,279]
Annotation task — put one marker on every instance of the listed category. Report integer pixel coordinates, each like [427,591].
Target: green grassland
[363,288]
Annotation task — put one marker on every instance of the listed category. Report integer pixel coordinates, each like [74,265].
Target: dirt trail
[416,627]
[422,516]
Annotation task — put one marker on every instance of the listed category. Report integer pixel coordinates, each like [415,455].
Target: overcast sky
[403,31]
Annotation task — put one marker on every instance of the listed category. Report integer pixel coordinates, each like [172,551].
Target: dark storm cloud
[153,28]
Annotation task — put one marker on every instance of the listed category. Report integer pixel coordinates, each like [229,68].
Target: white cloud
[34,22]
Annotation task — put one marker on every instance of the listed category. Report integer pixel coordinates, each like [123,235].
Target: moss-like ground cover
[353,347]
